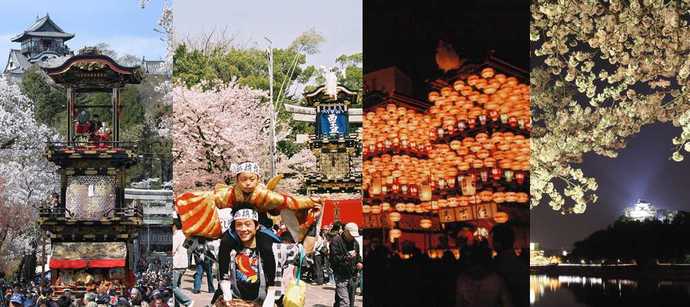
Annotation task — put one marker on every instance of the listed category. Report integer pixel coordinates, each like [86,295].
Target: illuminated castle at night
[643,211]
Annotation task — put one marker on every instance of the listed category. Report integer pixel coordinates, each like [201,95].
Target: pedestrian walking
[346,262]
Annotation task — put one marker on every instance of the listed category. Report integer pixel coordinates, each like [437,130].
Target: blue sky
[340,22]
[122,24]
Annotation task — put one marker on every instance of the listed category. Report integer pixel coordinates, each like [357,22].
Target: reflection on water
[570,291]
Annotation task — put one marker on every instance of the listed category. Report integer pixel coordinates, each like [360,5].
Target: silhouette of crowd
[488,273]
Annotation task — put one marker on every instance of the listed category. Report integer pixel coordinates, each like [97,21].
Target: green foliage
[216,66]
[49,101]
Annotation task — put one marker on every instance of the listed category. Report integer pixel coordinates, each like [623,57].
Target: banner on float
[332,120]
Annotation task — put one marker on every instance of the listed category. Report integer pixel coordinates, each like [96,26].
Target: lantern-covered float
[92,230]
[458,160]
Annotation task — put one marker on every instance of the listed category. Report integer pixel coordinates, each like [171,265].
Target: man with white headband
[197,209]
[246,269]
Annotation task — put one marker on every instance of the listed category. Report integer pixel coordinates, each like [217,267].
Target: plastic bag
[296,290]
[295,294]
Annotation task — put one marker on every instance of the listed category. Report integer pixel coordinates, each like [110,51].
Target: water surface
[570,291]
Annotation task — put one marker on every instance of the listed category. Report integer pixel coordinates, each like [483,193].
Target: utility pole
[272,111]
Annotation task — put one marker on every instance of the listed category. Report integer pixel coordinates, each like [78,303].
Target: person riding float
[198,209]
[250,201]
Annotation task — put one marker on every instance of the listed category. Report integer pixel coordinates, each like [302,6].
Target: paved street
[317,296]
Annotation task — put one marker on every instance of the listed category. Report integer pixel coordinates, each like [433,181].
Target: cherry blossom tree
[213,129]
[601,71]
[27,178]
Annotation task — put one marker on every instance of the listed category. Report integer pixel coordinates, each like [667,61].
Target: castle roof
[43,27]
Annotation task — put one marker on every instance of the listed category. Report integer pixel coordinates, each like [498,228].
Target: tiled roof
[17,57]
[44,27]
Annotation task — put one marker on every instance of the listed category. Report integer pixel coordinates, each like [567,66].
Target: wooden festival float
[457,162]
[91,229]
[338,177]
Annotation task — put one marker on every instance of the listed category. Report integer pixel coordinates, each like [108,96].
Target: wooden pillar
[71,97]
[116,116]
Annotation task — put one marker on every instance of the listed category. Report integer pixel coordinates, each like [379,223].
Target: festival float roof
[90,70]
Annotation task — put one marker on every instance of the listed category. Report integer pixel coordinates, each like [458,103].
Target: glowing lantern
[425,223]
[376,209]
[366,209]
[413,190]
[520,177]
[499,197]
[484,175]
[425,192]
[385,206]
[394,217]
[400,207]
[486,196]
[375,186]
[468,186]
[487,73]
[496,174]
[522,197]
[501,217]
[509,175]
[394,234]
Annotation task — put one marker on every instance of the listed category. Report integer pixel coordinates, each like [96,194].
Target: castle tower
[42,41]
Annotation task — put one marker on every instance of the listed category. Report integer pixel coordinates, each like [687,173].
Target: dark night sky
[642,170]
[406,34]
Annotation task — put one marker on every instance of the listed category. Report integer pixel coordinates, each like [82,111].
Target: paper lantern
[425,223]
[366,209]
[394,217]
[509,175]
[400,207]
[425,192]
[520,177]
[468,186]
[501,217]
[376,209]
[395,233]
[385,206]
[375,187]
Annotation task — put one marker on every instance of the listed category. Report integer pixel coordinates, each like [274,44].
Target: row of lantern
[483,152]
[478,99]
[480,144]
[395,217]
[398,148]
[465,184]
[450,202]
[400,126]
